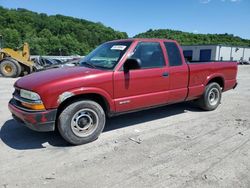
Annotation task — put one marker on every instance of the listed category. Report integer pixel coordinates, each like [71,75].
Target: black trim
[235,85]
[27,100]
[18,104]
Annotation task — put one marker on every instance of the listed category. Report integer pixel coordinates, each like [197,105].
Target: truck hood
[50,77]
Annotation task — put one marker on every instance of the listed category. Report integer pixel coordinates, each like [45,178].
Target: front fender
[87,90]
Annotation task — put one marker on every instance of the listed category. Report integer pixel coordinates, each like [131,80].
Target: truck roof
[144,39]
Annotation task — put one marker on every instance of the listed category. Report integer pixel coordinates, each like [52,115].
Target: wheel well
[218,80]
[91,96]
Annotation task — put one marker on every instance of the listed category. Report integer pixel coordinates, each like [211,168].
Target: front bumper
[42,121]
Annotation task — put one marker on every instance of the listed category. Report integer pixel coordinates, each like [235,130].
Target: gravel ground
[172,146]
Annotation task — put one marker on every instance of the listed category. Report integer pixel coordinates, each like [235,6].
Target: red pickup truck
[117,77]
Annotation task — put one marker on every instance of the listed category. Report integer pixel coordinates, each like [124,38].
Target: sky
[136,16]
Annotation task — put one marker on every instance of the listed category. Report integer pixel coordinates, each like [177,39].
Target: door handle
[165,74]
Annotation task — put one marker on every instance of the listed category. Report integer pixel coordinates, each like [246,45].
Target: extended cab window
[174,55]
[150,54]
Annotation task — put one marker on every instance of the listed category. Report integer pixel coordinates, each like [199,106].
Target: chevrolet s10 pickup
[118,77]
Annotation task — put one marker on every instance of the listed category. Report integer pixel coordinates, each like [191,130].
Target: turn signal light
[34,106]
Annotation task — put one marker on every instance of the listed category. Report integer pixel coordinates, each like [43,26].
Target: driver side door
[146,86]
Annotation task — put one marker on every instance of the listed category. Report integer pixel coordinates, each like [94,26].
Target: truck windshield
[106,56]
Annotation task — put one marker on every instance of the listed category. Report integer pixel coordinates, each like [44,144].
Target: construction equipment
[14,63]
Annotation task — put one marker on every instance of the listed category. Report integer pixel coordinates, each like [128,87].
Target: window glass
[188,54]
[106,56]
[174,55]
[150,54]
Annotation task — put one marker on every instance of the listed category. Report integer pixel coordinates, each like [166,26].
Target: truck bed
[200,72]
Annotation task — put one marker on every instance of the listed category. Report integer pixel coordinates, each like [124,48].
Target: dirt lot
[172,146]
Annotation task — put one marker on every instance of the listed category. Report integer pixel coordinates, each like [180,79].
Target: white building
[216,53]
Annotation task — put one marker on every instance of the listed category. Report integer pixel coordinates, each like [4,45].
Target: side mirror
[131,64]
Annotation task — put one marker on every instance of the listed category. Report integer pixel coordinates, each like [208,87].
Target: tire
[211,98]
[81,122]
[10,68]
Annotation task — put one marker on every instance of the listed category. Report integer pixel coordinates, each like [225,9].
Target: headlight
[34,101]
[29,95]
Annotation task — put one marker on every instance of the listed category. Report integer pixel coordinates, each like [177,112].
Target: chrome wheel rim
[213,96]
[84,122]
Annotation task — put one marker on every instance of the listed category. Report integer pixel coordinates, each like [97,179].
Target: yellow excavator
[14,63]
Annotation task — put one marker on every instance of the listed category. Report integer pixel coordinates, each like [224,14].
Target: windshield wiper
[88,64]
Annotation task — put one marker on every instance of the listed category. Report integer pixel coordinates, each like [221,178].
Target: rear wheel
[211,98]
[81,122]
[10,68]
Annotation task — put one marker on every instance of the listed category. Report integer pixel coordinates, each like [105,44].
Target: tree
[11,37]
[186,38]
[53,35]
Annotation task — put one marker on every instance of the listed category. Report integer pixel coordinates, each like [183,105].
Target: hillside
[186,38]
[63,35]
[52,35]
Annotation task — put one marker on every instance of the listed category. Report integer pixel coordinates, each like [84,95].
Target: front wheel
[210,100]
[81,122]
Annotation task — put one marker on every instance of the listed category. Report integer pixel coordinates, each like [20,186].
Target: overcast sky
[135,16]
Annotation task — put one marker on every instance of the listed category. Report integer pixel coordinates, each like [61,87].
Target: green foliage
[63,35]
[12,37]
[53,35]
[185,38]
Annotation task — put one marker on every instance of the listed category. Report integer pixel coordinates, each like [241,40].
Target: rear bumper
[42,121]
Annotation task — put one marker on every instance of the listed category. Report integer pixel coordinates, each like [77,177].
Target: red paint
[30,117]
[137,89]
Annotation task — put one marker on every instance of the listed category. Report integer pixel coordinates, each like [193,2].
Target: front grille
[16,92]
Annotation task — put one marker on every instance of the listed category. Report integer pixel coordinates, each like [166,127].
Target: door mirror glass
[131,64]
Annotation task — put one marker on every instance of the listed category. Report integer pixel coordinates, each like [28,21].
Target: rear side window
[188,54]
[150,54]
[174,56]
